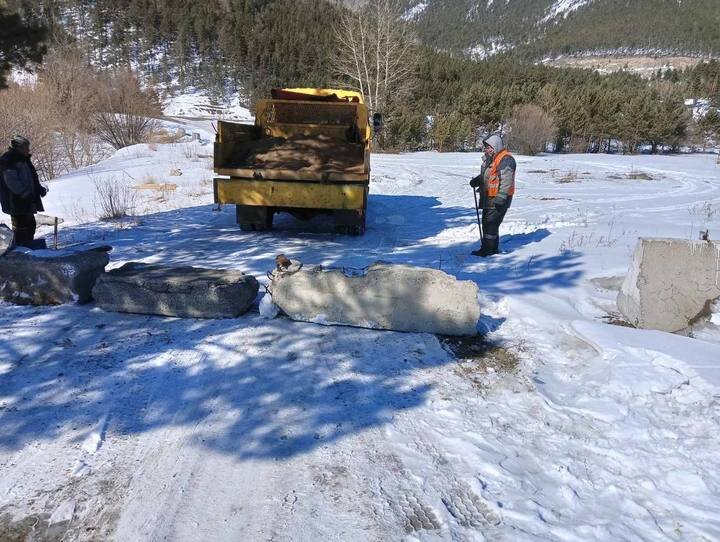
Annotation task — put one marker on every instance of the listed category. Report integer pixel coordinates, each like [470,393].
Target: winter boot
[486,249]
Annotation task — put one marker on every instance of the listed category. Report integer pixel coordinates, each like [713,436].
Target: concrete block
[182,292]
[51,277]
[7,238]
[383,296]
[671,283]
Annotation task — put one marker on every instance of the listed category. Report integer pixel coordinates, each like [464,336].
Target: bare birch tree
[375,50]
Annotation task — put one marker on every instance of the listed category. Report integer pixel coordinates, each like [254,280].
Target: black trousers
[491,220]
[24,227]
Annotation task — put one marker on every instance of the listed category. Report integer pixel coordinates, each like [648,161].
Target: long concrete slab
[383,296]
[181,292]
[671,283]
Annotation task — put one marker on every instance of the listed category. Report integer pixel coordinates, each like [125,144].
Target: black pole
[477,212]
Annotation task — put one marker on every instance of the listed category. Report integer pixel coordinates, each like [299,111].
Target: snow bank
[199,104]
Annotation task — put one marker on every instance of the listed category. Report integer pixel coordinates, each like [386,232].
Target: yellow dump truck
[307,153]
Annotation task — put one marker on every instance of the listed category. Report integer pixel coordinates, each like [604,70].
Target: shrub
[125,111]
[530,128]
[114,198]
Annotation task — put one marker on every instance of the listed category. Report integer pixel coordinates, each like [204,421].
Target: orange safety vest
[493,182]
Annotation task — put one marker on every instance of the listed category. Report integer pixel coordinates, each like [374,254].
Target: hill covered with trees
[448,100]
[539,28]
[252,44]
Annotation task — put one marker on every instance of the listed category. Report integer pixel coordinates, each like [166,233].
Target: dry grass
[640,176]
[163,137]
[158,187]
[616,320]
[115,200]
[570,177]
[480,359]
[190,152]
[201,188]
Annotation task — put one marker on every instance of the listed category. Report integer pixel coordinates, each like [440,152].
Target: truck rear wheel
[253,218]
[349,222]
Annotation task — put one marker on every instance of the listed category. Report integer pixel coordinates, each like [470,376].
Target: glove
[44,191]
[475,182]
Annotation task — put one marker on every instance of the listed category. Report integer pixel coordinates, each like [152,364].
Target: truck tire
[349,222]
[253,218]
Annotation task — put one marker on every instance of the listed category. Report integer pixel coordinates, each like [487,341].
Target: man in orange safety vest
[496,186]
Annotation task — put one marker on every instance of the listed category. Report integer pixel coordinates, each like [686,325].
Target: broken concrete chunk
[7,238]
[671,283]
[182,292]
[50,277]
[383,296]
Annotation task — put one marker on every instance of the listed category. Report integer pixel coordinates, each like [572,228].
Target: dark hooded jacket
[20,188]
[506,169]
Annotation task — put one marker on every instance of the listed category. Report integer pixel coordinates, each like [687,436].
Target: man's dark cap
[19,141]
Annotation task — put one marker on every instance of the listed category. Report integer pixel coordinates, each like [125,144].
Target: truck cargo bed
[319,154]
[307,153]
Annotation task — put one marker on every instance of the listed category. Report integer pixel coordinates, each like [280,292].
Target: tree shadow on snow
[247,387]
[414,230]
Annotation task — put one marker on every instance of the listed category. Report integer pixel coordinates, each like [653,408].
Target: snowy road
[138,428]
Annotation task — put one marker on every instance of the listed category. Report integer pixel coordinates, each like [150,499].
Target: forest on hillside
[255,44]
[444,102]
[688,27]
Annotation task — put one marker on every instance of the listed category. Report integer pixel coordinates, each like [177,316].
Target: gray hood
[496,142]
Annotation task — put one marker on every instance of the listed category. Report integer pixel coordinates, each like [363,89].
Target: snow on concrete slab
[261,428]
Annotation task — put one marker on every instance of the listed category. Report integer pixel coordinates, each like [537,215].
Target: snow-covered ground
[143,428]
[199,104]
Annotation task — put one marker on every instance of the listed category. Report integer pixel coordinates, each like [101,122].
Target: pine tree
[21,41]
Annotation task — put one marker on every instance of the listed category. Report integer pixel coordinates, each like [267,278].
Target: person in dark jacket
[496,186]
[20,190]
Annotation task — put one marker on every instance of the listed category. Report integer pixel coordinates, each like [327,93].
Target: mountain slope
[538,28]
